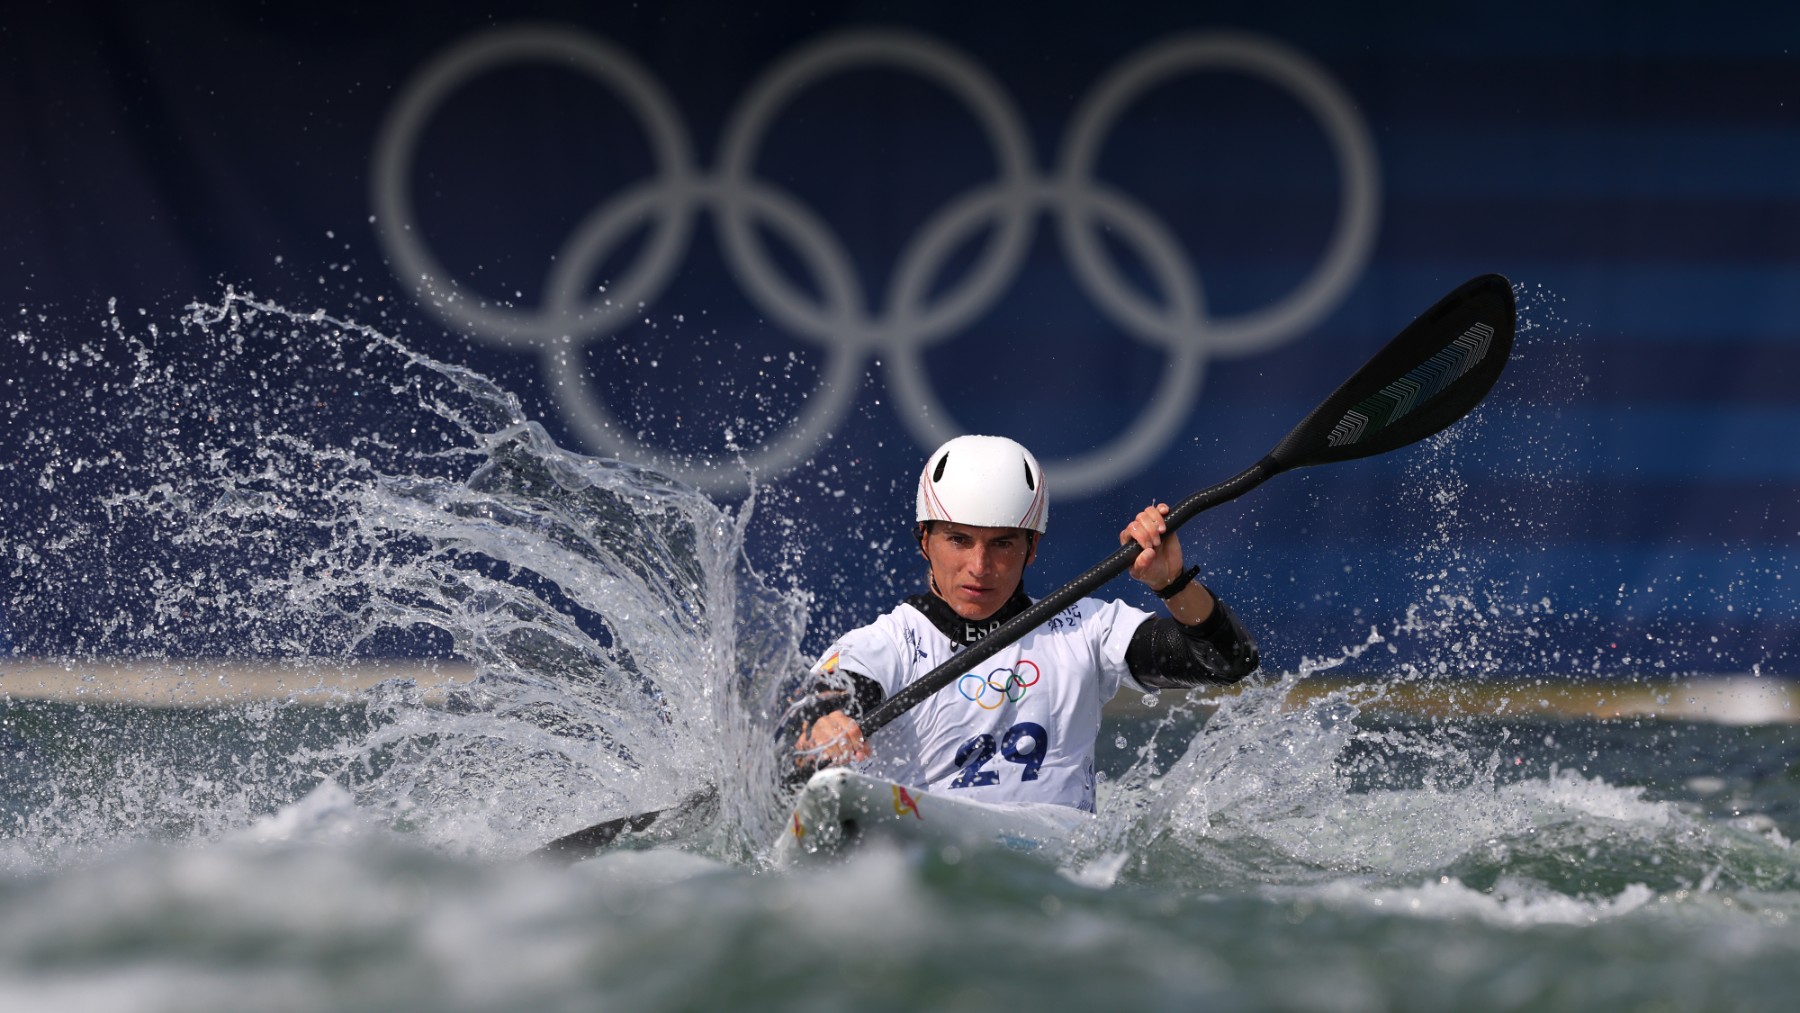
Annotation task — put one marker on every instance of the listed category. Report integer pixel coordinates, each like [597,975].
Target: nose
[981,561]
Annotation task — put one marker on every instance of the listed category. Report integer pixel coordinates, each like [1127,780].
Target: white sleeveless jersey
[1020,727]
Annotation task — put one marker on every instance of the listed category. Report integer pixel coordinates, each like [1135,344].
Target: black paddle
[1433,373]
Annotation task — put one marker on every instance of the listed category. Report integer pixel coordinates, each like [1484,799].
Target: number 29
[1025,743]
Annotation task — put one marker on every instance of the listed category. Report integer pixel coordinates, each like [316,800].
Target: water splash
[1287,788]
[217,493]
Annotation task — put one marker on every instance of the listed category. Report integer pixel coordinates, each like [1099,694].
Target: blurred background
[782,250]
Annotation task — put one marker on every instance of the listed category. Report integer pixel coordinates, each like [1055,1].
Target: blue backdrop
[806,242]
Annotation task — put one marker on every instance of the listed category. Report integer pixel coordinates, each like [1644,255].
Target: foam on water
[327,814]
[1510,904]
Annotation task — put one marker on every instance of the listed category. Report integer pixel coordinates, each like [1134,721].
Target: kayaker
[1022,725]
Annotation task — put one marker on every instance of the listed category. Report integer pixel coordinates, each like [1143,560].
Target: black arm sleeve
[1166,654]
[846,691]
[851,692]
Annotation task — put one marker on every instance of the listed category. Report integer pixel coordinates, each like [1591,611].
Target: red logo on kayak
[903,803]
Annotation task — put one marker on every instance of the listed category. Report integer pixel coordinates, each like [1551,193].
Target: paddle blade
[1430,375]
[657,824]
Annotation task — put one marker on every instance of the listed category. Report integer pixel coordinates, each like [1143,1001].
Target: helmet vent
[1030,483]
[937,474]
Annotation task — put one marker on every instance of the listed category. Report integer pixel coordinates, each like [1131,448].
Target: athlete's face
[976,569]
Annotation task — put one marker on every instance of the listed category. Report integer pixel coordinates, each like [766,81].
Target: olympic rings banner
[899,323]
[794,250]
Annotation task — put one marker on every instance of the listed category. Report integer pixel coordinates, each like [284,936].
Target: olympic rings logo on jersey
[915,313]
[999,686]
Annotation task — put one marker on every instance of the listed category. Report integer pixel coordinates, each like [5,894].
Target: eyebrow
[1010,536]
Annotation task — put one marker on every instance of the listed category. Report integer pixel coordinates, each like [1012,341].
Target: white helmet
[986,482]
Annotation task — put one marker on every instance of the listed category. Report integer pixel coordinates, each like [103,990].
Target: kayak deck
[839,808]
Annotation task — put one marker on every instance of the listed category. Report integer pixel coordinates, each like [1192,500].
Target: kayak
[840,808]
